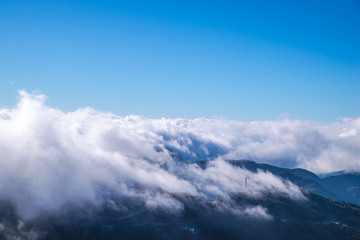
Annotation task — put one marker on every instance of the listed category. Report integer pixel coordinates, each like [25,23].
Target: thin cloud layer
[50,158]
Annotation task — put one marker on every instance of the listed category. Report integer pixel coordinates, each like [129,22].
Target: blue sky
[239,60]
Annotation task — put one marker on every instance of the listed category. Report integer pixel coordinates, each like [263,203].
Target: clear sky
[240,60]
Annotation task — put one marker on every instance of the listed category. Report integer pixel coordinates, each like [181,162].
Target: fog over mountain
[50,158]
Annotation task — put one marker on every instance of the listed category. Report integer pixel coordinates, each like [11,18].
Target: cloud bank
[50,158]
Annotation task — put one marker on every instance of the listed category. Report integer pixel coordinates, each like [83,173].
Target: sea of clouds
[50,158]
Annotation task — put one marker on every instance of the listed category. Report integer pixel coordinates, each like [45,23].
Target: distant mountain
[253,166]
[330,174]
[346,187]
[337,173]
[340,186]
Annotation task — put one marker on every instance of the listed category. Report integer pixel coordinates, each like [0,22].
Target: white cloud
[258,211]
[49,158]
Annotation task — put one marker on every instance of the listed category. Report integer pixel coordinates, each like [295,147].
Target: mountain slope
[342,187]
[240,215]
[314,218]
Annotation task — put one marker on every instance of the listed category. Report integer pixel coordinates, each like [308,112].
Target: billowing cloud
[50,158]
